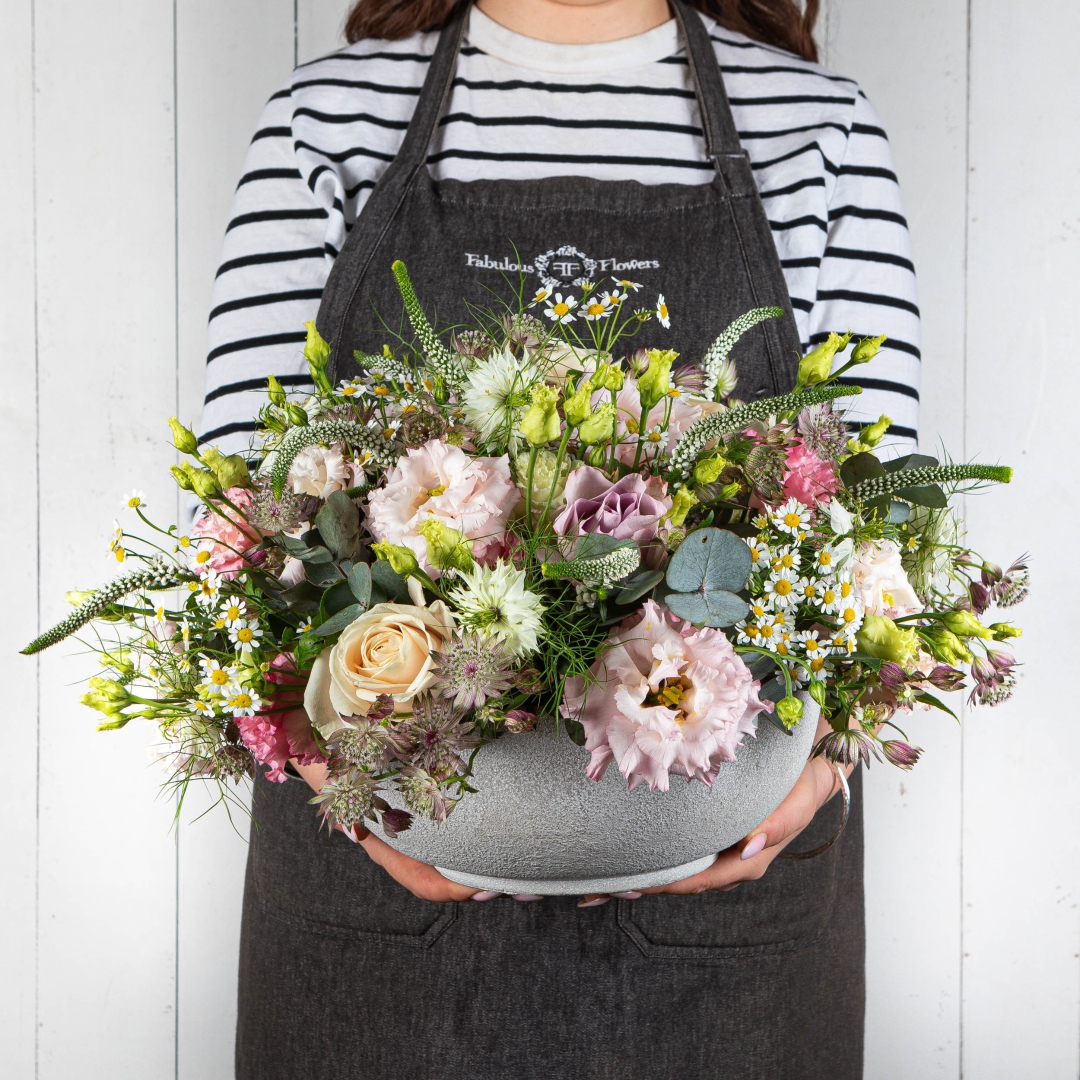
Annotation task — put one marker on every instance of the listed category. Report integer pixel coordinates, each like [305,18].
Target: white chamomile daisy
[759,609]
[203,708]
[560,310]
[843,642]
[351,387]
[808,590]
[232,610]
[816,650]
[825,560]
[305,626]
[542,295]
[627,284]
[662,312]
[768,635]
[780,587]
[116,544]
[245,634]
[793,517]
[597,308]
[243,702]
[159,615]
[390,429]
[786,558]
[208,588]
[838,595]
[613,297]
[135,499]
[759,553]
[216,679]
[748,633]
[785,640]
[655,437]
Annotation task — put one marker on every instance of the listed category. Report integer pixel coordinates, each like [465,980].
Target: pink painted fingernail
[627,895]
[594,903]
[526,897]
[755,846]
[486,895]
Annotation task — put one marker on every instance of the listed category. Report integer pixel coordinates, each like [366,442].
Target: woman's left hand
[752,856]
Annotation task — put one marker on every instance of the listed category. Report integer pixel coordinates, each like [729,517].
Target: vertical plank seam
[176,411]
[296,34]
[37,541]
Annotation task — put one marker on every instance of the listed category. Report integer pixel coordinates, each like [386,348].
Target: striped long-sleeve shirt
[524,109]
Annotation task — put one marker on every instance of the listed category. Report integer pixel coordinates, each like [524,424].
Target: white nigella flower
[781,587]
[793,517]
[662,312]
[497,393]
[245,634]
[243,702]
[216,679]
[559,309]
[495,603]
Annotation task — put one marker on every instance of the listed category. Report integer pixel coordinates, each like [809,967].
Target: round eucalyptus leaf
[709,560]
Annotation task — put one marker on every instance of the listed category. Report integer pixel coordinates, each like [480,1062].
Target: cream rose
[387,651]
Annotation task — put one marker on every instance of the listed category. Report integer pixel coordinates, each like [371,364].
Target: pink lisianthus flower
[474,495]
[807,477]
[628,510]
[283,730]
[226,537]
[668,698]
[685,410]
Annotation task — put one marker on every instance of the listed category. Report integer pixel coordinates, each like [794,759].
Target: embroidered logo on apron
[561,267]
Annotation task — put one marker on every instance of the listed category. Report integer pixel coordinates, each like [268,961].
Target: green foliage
[710,566]
[909,479]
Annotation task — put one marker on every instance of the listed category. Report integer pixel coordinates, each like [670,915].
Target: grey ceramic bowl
[538,824]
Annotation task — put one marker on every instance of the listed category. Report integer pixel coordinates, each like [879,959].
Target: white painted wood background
[125,125]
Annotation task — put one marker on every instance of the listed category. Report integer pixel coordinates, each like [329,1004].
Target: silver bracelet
[821,848]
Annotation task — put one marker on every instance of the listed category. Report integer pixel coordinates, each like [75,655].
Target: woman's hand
[751,857]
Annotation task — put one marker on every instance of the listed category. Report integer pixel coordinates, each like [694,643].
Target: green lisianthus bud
[707,470]
[613,377]
[316,348]
[596,456]
[681,505]
[106,695]
[578,406]
[816,365]
[729,491]
[945,646]
[297,416]
[882,638]
[1003,631]
[231,471]
[401,559]
[867,349]
[599,426]
[447,548]
[183,438]
[872,434]
[817,691]
[540,424]
[965,625]
[275,391]
[181,477]
[789,710]
[656,382]
[203,482]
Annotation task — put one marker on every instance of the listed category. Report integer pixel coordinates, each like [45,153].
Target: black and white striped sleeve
[867,279]
[274,265]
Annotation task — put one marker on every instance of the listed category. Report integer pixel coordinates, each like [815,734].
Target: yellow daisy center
[202,557]
[782,587]
[241,701]
[825,558]
[219,677]
[560,309]
[810,592]
[245,635]
[596,309]
[663,311]
[382,391]
[849,615]
[845,589]
[791,519]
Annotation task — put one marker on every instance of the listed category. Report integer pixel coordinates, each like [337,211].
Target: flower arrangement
[526,519]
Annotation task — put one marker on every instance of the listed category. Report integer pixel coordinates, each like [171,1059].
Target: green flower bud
[203,483]
[1003,631]
[297,416]
[183,438]
[540,424]
[596,456]
[75,597]
[579,406]
[656,382]
[231,471]
[707,470]
[882,638]
[964,625]
[817,691]
[447,548]
[729,491]
[867,349]
[789,710]
[276,392]
[613,377]
[182,479]
[681,505]
[872,434]
[816,365]
[107,696]
[316,348]
[599,426]
[401,559]
[945,646]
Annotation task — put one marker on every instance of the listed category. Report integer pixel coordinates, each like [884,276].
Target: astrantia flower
[347,798]
[823,431]
[494,603]
[435,737]
[471,669]
[792,517]
[560,310]
[497,394]
[667,698]
[473,344]
[662,312]
[849,747]
[424,794]
[279,515]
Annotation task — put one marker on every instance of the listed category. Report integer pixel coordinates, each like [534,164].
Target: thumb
[788,819]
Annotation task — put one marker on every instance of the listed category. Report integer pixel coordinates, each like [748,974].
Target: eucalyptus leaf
[338,523]
[931,495]
[336,623]
[709,560]
[637,585]
[387,586]
[315,555]
[292,544]
[322,573]
[303,597]
[360,583]
[338,597]
[714,608]
[860,467]
[910,461]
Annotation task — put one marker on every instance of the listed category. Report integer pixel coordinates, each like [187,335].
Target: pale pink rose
[685,410]
[474,495]
[628,510]
[320,471]
[808,478]
[712,700]
[881,582]
[225,536]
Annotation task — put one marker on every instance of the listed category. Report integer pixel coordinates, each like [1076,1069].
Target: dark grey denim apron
[343,973]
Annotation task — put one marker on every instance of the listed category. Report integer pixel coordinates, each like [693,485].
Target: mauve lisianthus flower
[668,698]
[474,495]
[808,478]
[881,582]
[225,536]
[628,510]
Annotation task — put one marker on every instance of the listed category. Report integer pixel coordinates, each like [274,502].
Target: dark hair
[774,22]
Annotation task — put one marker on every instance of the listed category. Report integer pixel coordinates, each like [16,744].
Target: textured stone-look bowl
[538,824]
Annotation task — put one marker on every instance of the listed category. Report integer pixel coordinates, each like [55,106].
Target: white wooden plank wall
[126,124]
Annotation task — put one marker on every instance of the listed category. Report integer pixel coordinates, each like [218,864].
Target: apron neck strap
[718,125]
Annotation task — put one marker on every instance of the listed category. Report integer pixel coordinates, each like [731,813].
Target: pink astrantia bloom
[628,510]
[283,730]
[474,495]
[226,537]
[808,478]
[668,698]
